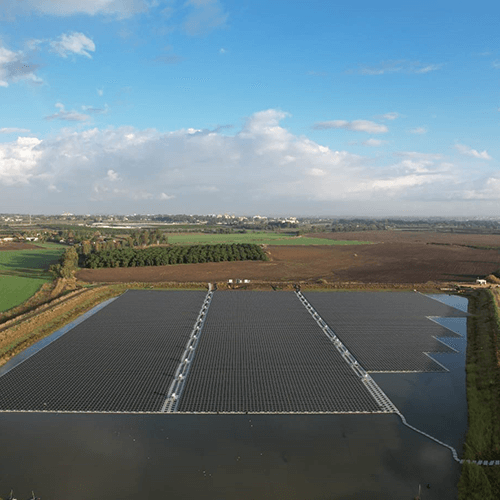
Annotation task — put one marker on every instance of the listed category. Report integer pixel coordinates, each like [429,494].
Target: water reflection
[220,457]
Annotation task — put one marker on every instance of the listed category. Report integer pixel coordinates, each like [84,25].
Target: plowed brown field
[395,257]
[18,246]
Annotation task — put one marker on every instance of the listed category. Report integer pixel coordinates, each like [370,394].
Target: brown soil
[17,246]
[395,257]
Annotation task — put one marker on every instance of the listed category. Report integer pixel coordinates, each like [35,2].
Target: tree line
[161,256]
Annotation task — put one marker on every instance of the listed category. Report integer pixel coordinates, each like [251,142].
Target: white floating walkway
[177,386]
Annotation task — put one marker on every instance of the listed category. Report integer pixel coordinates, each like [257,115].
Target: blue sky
[246,107]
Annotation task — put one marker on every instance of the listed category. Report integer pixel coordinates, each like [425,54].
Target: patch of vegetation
[483,398]
[68,264]
[23,272]
[258,237]
[161,256]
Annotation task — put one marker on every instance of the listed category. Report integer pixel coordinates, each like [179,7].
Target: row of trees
[161,256]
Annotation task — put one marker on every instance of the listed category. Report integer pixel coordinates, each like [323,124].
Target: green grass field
[23,272]
[259,238]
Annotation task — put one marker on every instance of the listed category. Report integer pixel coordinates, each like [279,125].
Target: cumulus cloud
[205,16]
[72,116]
[356,125]
[73,43]
[262,163]
[120,8]
[467,151]
[112,175]
[19,160]
[399,66]
[418,130]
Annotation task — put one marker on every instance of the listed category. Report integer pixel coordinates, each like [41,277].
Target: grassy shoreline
[483,398]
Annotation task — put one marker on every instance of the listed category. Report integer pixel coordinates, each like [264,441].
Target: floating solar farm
[232,352]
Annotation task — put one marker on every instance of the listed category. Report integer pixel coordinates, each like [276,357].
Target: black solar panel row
[263,352]
[387,331]
[258,352]
[123,358]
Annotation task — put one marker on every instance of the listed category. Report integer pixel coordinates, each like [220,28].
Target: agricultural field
[24,271]
[394,257]
[256,237]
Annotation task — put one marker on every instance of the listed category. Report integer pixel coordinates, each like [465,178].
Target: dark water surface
[83,456]
[193,456]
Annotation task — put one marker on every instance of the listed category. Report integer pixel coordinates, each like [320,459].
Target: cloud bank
[263,165]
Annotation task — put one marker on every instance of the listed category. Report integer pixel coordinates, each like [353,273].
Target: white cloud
[490,190]
[495,64]
[14,130]
[19,160]
[393,186]
[317,172]
[261,165]
[399,66]
[73,43]
[72,116]
[418,130]
[112,175]
[164,196]
[205,16]
[100,92]
[374,143]
[391,116]
[61,8]
[467,151]
[356,125]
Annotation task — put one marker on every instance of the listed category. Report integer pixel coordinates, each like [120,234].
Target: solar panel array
[263,352]
[387,331]
[122,358]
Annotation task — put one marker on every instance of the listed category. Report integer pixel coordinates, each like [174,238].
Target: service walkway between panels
[263,352]
[387,331]
[121,359]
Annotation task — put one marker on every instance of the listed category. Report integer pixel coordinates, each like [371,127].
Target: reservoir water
[129,456]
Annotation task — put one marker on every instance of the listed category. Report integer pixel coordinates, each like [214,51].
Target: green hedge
[161,256]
